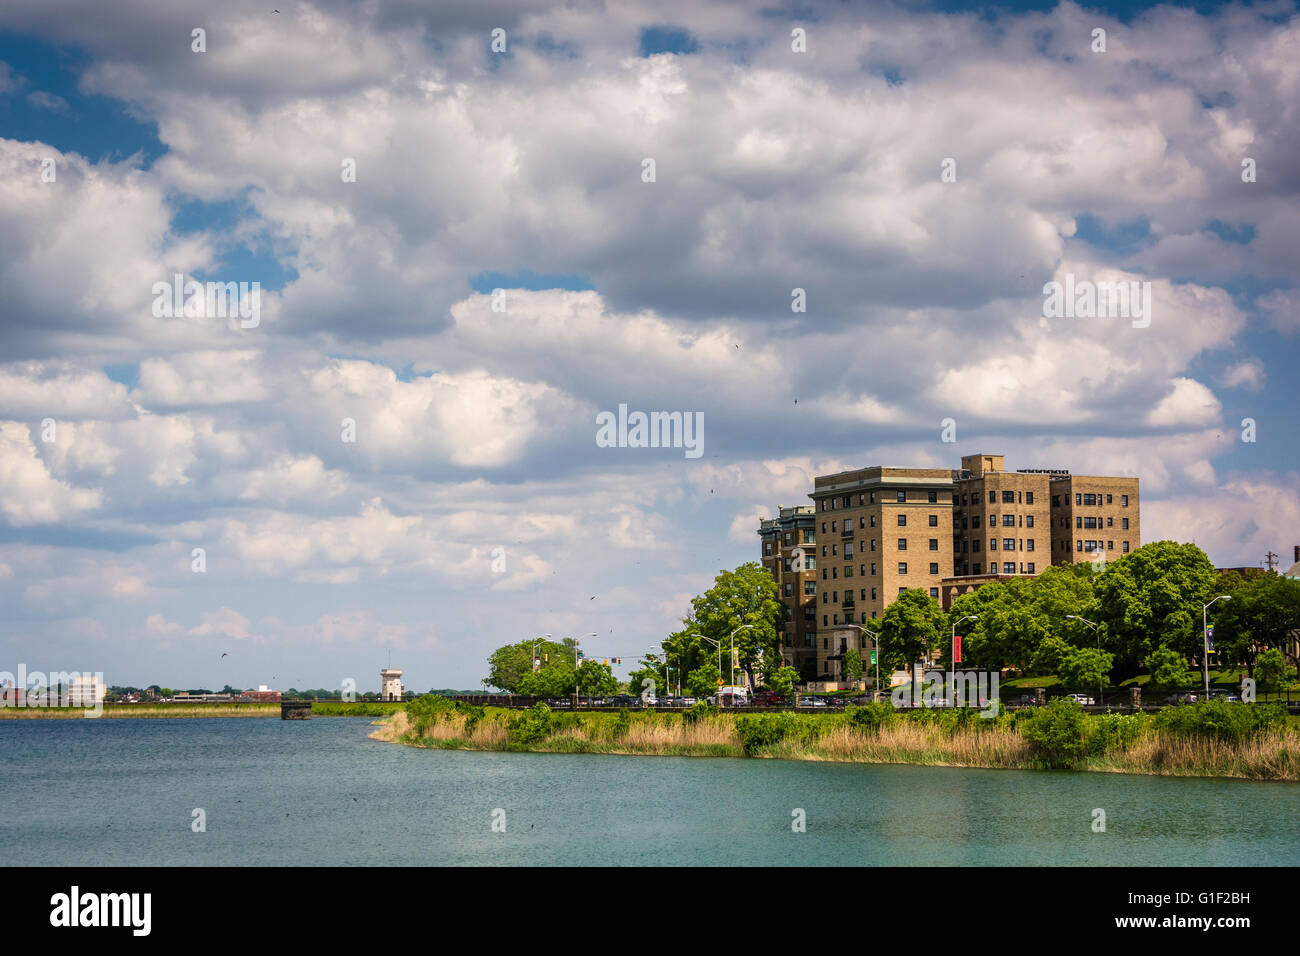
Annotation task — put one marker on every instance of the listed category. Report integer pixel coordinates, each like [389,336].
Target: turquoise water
[87,792]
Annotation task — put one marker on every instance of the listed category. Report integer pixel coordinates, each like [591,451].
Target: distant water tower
[390,684]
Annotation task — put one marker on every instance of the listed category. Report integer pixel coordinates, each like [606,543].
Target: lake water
[87,792]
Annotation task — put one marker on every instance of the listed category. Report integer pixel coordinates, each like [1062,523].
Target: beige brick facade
[878,531]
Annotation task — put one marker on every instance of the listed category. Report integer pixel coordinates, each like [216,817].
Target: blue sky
[775,170]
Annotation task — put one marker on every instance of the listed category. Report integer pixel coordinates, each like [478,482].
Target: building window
[1078,522]
[934,592]
[1110,522]
[1029,545]
[848,501]
[873,544]
[789,590]
[993,544]
[810,588]
[975,545]
[873,569]
[835,574]
[1008,544]
[1078,545]
[934,544]
[873,596]
[902,496]
[1078,498]
[902,567]
[1031,565]
[1029,497]
[975,568]
[1124,523]
[974,521]
[767,547]
[873,521]
[860,500]
[823,527]
[848,570]
[1108,499]
[809,562]
[1126,547]
[934,521]
[1008,521]
[809,536]
[826,598]
[835,549]
[1029,521]
[993,497]
[1009,567]
[934,567]
[1056,501]
[788,539]
[787,565]
[902,521]
[1008,497]
[862,523]
[933,498]
[863,594]
[902,544]
[1123,500]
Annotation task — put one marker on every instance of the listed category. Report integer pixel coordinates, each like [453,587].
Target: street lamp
[952,651]
[1205,634]
[575,662]
[733,650]
[1100,692]
[534,660]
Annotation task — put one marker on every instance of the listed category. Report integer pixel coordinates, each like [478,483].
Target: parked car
[1082,699]
[1181,698]
[688,701]
[811,702]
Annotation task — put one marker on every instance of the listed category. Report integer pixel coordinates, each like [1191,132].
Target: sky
[921,171]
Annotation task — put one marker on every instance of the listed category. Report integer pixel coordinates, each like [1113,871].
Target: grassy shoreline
[1063,739]
[322,708]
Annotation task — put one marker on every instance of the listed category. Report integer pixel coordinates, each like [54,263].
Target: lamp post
[733,650]
[575,664]
[1205,635]
[952,652]
[533,662]
[1100,692]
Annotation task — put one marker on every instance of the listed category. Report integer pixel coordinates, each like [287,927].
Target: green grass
[1031,683]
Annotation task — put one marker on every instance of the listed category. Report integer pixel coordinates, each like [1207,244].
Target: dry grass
[992,745]
[655,737]
[1268,757]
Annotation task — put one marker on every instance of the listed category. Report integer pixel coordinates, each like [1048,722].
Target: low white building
[390,684]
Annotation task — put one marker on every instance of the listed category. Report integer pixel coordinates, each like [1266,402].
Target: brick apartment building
[876,532]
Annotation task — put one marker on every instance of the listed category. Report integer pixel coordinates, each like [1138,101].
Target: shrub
[530,726]
[871,717]
[1056,733]
[1220,720]
[1113,733]
[762,730]
[699,710]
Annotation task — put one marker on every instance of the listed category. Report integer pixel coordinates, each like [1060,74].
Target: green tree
[703,681]
[1153,597]
[1085,668]
[911,627]
[596,679]
[1168,669]
[1264,610]
[746,596]
[509,665]
[852,664]
[782,680]
[1273,670]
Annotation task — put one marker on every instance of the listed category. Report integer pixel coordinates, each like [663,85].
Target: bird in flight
[225,654]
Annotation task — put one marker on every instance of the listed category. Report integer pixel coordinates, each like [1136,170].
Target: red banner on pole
[956,649]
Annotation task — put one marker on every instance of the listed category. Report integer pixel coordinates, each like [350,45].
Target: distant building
[12,696]
[86,690]
[390,684]
[879,531]
[262,693]
[1294,570]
